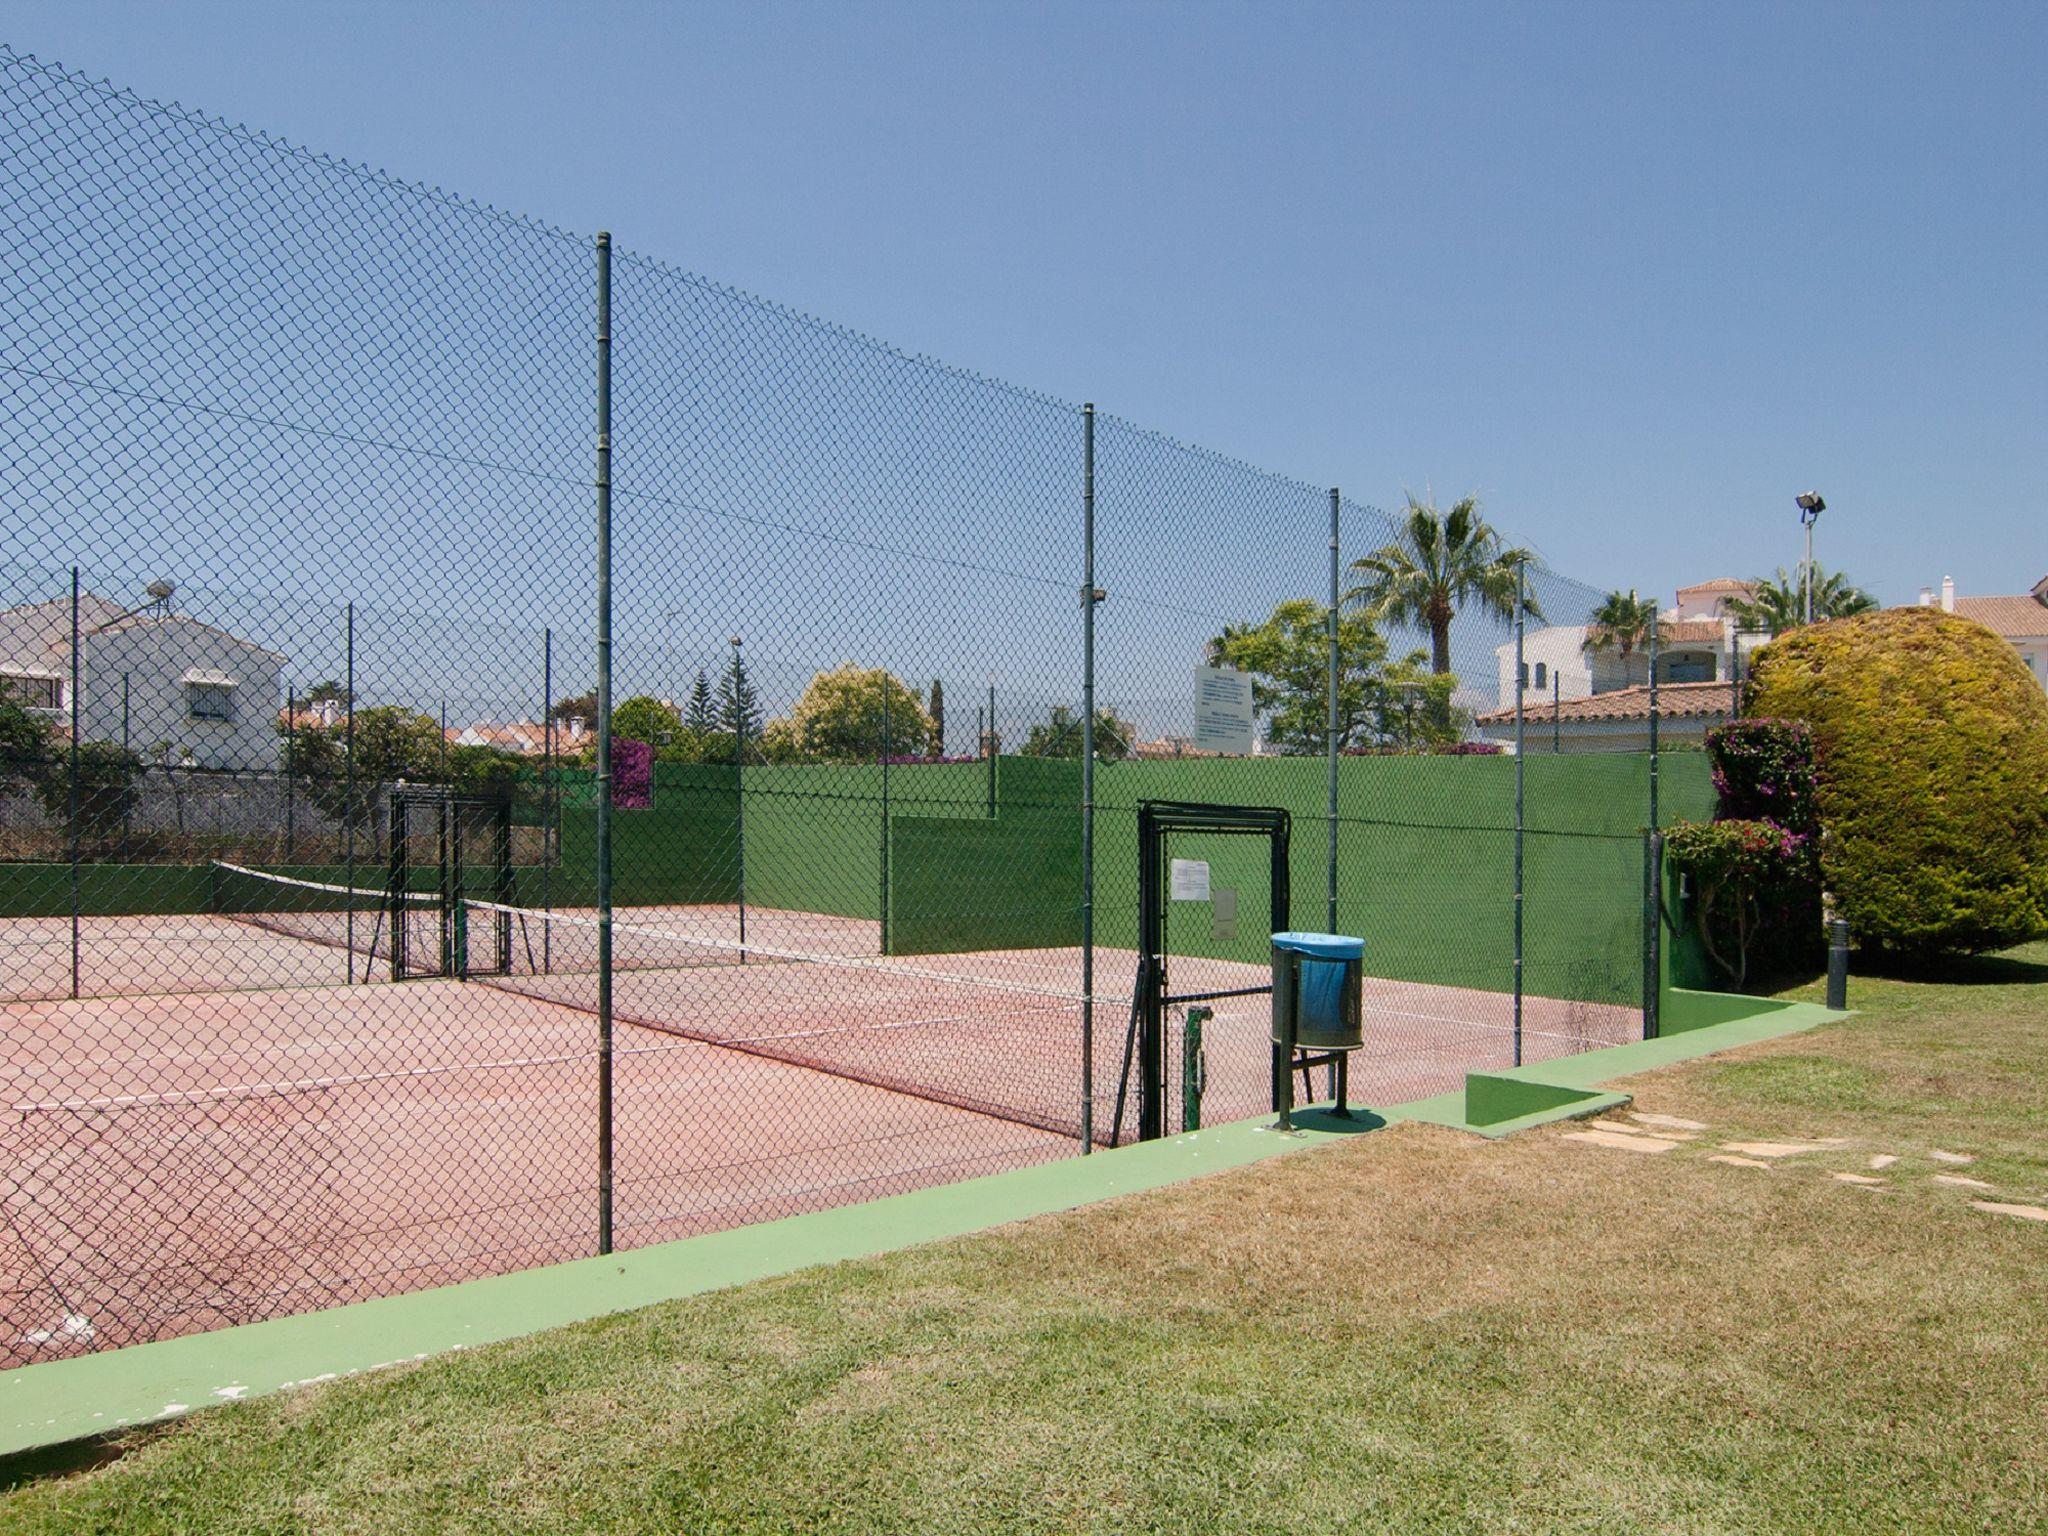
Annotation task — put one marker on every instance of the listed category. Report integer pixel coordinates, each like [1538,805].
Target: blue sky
[1636,274]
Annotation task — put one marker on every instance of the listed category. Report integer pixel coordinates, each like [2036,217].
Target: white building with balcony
[172,689]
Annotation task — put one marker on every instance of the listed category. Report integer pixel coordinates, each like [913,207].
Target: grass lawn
[1414,1331]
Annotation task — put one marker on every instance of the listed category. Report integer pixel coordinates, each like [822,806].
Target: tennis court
[186,1159]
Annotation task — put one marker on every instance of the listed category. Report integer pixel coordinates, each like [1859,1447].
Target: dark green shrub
[1737,871]
[1931,751]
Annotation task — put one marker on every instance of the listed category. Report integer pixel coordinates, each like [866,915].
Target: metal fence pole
[739,783]
[127,751]
[1556,712]
[994,746]
[604,743]
[1336,502]
[888,677]
[1653,871]
[71,778]
[549,841]
[1088,601]
[1521,614]
[349,769]
[291,757]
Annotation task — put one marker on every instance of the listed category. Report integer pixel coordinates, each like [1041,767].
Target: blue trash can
[1318,982]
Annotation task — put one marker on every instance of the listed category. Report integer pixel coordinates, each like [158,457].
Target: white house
[170,687]
[2022,621]
[1698,643]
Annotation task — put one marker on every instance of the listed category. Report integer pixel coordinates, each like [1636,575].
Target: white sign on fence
[1224,718]
[1190,880]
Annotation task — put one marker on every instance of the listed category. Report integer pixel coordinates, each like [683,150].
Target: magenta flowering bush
[632,773]
[1763,770]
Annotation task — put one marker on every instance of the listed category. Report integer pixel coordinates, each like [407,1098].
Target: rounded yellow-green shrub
[1931,744]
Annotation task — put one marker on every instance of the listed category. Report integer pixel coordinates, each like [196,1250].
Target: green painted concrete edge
[60,1400]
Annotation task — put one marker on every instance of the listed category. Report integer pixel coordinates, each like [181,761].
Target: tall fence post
[888,746]
[1653,870]
[549,841]
[1336,503]
[1089,598]
[604,742]
[71,778]
[1556,711]
[291,757]
[739,783]
[348,626]
[1521,614]
[994,746]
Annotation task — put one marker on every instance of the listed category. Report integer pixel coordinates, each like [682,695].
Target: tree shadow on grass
[2014,968]
[46,1462]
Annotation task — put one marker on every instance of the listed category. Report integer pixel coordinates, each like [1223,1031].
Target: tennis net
[399,934]
[1007,1045]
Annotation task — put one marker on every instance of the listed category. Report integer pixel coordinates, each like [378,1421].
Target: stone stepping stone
[1957,1181]
[1780,1148]
[1884,1159]
[1858,1178]
[1736,1162]
[1665,1122]
[1640,1130]
[2023,1212]
[1956,1159]
[1636,1143]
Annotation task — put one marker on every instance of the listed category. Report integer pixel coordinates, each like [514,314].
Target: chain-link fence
[512,749]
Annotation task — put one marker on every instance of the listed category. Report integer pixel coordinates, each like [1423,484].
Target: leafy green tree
[1437,563]
[581,706]
[485,771]
[1410,707]
[697,715]
[642,718]
[1059,735]
[1623,623]
[854,714]
[1778,603]
[25,744]
[1288,660]
[107,773]
[329,692]
[391,743]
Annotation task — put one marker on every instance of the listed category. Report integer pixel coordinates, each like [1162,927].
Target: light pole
[1810,508]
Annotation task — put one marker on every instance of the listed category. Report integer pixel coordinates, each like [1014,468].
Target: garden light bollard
[1838,964]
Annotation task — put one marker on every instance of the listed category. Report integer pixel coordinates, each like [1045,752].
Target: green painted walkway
[91,1394]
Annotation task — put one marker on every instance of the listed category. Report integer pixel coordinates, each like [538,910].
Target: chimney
[1927,597]
[1948,594]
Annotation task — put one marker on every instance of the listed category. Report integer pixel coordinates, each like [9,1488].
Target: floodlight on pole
[1810,507]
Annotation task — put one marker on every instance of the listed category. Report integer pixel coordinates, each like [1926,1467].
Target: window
[1689,669]
[1542,674]
[211,701]
[32,692]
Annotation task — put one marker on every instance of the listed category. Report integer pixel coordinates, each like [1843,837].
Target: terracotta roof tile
[1675,701]
[2016,618]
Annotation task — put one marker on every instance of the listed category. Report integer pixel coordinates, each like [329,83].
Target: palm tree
[1623,622]
[1437,562]
[1778,602]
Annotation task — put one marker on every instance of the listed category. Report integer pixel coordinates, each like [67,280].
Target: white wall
[155,655]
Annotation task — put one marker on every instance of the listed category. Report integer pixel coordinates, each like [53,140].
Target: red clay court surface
[193,1159]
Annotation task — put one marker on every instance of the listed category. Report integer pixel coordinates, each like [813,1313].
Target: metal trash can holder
[1318,1014]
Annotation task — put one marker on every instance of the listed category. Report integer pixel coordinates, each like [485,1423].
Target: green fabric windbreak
[1425,869]
[965,882]
[680,851]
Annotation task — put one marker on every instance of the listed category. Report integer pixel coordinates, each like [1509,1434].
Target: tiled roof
[1719,584]
[1675,701]
[1683,631]
[2016,618]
